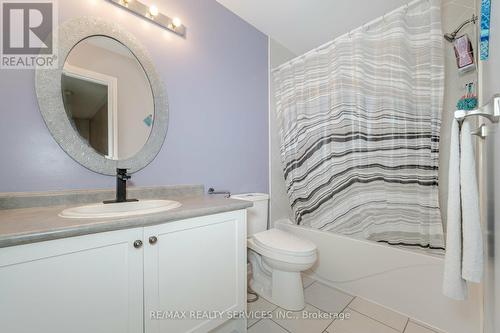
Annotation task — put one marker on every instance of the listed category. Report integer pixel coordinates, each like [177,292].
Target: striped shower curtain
[359,122]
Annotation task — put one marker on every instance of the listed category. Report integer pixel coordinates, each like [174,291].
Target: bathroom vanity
[166,272]
[67,268]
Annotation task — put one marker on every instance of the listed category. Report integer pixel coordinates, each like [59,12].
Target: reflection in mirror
[107,97]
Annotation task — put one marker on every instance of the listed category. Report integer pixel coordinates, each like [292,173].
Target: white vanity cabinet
[105,283]
[81,284]
[196,268]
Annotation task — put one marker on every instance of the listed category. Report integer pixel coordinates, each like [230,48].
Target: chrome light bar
[153,15]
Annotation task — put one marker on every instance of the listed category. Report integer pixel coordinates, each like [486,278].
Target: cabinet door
[83,284]
[195,265]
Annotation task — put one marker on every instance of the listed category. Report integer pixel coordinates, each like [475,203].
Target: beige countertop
[37,224]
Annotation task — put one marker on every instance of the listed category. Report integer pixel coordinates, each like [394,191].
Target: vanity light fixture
[152,14]
[153,11]
[176,22]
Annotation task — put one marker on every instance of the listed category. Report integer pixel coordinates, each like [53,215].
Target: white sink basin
[121,209]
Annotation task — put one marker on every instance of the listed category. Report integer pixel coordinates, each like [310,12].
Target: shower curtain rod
[364,26]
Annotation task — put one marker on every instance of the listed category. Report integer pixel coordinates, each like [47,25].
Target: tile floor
[323,302]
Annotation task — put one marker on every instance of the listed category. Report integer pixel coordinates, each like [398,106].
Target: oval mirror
[105,103]
[107,97]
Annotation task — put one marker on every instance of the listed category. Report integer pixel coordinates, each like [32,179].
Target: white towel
[472,257]
[454,286]
[463,262]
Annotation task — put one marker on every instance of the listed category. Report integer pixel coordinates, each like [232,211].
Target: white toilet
[277,257]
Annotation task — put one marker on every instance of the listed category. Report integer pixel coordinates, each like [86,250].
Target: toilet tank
[258,214]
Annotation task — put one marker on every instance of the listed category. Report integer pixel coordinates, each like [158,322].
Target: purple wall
[217,84]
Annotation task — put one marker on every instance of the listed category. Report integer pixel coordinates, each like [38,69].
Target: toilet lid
[284,242]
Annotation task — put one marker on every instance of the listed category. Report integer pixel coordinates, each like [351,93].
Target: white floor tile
[266,326]
[379,313]
[326,298]
[358,323]
[257,310]
[424,325]
[307,281]
[414,328]
[310,320]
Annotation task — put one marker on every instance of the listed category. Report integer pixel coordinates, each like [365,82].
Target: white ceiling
[301,25]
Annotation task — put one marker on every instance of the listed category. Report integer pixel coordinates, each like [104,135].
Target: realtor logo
[28,33]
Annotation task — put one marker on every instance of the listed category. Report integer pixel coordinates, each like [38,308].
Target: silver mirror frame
[50,99]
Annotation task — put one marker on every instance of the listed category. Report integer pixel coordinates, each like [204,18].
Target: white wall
[279,204]
[491,86]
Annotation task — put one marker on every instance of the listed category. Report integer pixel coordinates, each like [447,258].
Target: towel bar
[490,111]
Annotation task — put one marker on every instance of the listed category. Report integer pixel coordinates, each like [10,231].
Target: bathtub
[403,280]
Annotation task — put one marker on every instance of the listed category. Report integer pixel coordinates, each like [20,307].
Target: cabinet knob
[138,244]
[153,240]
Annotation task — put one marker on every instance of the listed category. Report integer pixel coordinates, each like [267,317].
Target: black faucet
[121,187]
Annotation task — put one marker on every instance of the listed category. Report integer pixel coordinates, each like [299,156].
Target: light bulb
[153,10]
[176,22]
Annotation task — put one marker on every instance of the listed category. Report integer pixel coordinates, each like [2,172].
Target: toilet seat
[283,246]
[285,243]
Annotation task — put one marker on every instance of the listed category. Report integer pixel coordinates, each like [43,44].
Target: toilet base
[282,288]
[288,290]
